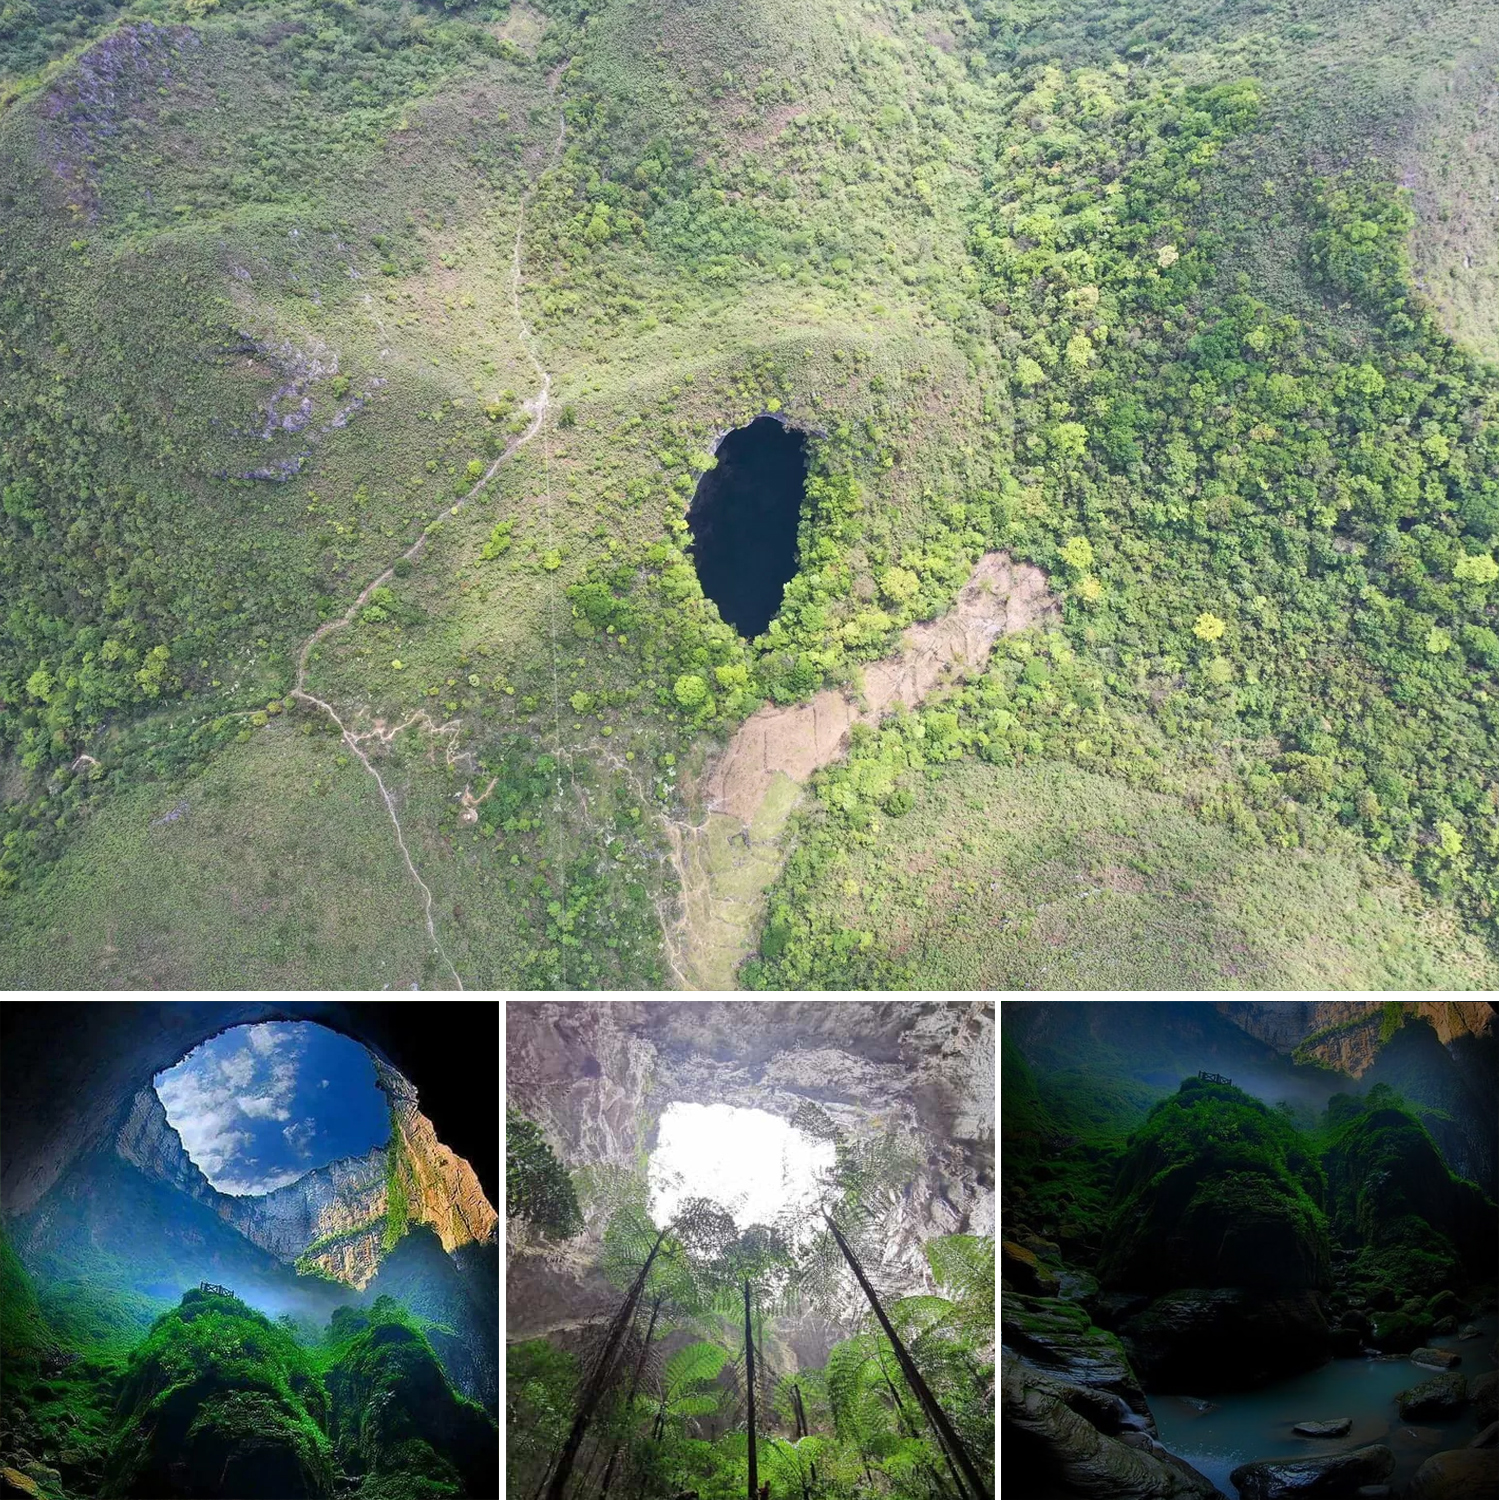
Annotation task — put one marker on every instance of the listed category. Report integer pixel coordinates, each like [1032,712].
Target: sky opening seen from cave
[259,1106]
[750,1162]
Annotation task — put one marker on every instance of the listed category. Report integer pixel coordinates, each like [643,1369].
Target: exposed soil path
[536,407]
[726,862]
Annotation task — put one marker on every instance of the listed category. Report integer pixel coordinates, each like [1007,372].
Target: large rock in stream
[1335,1477]
[1442,1396]
[1460,1474]
[1053,1451]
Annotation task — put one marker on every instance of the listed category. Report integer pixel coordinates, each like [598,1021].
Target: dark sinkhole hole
[744,522]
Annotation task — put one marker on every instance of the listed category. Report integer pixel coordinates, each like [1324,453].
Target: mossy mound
[1218,1212]
[219,1401]
[1217,1190]
[1418,1229]
[395,1419]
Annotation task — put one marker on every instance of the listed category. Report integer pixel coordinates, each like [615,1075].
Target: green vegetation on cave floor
[693,1346]
[218,1399]
[1194,1267]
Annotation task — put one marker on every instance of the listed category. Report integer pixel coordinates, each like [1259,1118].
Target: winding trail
[537,407]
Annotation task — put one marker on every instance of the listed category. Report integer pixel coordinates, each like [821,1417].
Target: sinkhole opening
[259,1106]
[750,1162]
[743,521]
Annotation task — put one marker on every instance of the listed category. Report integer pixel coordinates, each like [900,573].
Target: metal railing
[1214,1078]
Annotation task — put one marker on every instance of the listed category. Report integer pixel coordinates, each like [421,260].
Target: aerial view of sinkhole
[743,521]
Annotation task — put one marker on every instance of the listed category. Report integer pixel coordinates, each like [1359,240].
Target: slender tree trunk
[803,1430]
[600,1378]
[635,1381]
[911,1428]
[750,1390]
[944,1428]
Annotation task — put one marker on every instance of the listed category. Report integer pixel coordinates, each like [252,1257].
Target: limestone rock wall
[596,1078]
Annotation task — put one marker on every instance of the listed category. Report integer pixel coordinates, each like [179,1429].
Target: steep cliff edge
[1440,1055]
[340,1219]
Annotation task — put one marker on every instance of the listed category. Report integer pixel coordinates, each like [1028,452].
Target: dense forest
[363,358]
[699,1382]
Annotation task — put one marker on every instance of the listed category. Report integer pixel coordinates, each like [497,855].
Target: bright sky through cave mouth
[257,1107]
[746,1160]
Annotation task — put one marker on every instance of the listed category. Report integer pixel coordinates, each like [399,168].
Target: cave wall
[597,1076]
[70,1072]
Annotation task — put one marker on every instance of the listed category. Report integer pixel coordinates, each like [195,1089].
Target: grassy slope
[1055,878]
[815,281]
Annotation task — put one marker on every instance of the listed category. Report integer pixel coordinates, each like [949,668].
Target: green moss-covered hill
[1218,1190]
[220,1401]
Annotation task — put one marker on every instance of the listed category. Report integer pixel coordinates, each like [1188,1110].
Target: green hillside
[361,358]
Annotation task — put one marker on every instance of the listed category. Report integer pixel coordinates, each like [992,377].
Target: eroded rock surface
[596,1079]
[1055,1449]
[726,862]
[1333,1477]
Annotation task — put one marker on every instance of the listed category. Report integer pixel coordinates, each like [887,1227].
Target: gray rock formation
[597,1078]
[1330,1478]
[335,1217]
[1053,1439]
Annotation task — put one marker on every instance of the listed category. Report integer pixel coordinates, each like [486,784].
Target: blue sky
[258,1106]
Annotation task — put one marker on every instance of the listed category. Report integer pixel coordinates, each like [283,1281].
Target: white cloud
[270,1107]
[299,1136]
[266,1039]
[323,1084]
[253,1187]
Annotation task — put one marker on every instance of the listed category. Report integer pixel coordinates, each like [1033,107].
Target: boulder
[1438,1359]
[1482,1394]
[1487,1438]
[1459,1474]
[1470,1331]
[1225,1337]
[1019,1268]
[1442,1396]
[1336,1428]
[1332,1478]
[1050,1449]
[1058,1338]
[1445,1326]
[14,1485]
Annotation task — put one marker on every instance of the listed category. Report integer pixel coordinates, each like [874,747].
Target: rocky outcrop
[335,1219]
[597,1078]
[1443,1396]
[1335,1477]
[1336,1428]
[332,1218]
[439,1188]
[1459,1474]
[147,1141]
[1058,1339]
[1346,1034]
[1053,1449]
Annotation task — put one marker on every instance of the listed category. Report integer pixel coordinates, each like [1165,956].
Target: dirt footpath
[727,862]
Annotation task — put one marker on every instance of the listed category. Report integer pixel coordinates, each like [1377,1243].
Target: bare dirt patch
[727,862]
[1001,597]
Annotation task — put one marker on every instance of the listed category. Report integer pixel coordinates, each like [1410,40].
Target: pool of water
[1241,1426]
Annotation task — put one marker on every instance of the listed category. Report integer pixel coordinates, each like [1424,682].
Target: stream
[1241,1426]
